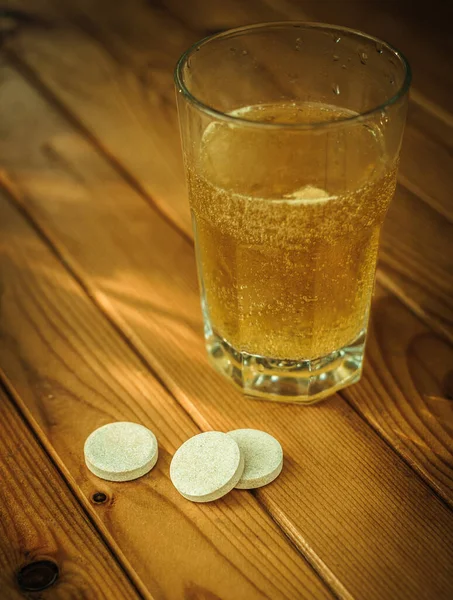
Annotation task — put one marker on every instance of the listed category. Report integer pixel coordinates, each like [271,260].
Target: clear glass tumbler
[291,134]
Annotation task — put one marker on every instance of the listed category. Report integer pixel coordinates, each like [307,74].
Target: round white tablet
[207,466]
[263,457]
[121,451]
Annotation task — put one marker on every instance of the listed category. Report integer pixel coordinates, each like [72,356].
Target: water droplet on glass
[363,57]
[335,57]
[336,89]
[336,38]
[392,80]
[343,66]
[384,118]
[379,48]
[244,52]
[198,49]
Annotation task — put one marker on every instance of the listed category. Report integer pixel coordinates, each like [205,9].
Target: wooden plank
[345,498]
[75,373]
[131,83]
[40,519]
[430,118]
[123,66]
[419,261]
[426,166]
[407,388]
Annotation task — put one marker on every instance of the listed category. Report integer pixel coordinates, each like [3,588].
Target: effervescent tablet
[263,457]
[207,466]
[121,451]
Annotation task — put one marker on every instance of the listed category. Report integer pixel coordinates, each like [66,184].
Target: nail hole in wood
[38,576]
[99,497]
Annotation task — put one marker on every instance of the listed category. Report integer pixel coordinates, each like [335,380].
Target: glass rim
[233,119]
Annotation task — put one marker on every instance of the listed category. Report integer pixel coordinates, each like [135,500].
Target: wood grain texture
[129,58]
[426,159]
[417,239]
[132,86]
[74,374]
[423,35]
[431,118]
[41,520]
[420,261]
[358,512]
[407,389]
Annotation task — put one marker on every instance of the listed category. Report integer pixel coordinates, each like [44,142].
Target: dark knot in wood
[38,576]
[99,497]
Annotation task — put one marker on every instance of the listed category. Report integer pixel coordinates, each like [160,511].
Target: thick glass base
[304,381]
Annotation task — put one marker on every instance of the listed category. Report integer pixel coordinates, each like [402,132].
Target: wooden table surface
[100,321]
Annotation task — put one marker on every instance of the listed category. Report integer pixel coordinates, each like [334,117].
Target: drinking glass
[291,134]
